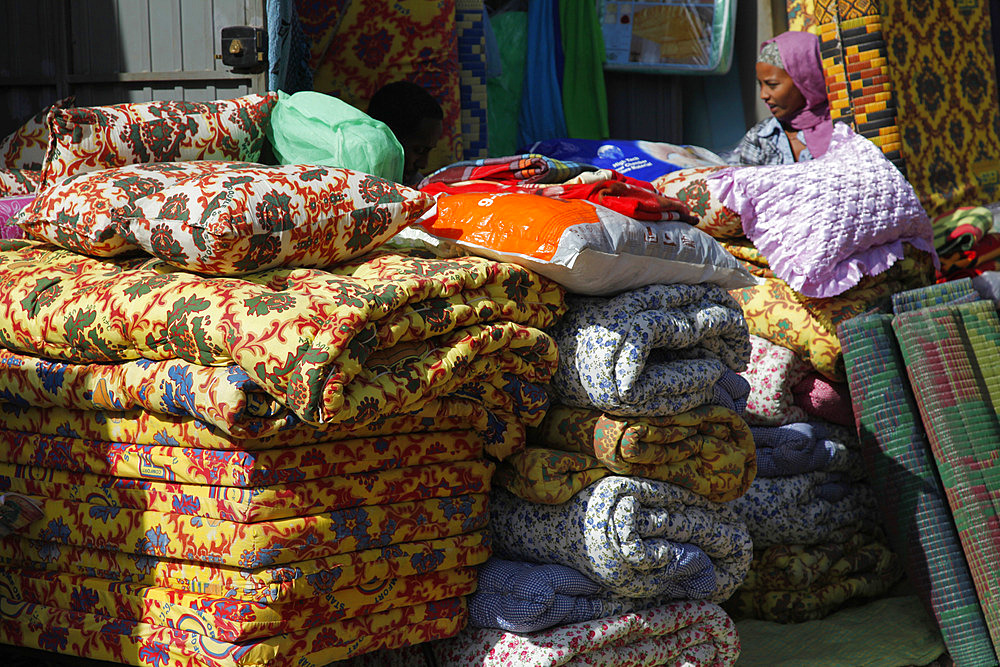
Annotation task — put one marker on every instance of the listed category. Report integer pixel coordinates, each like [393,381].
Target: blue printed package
[644,160]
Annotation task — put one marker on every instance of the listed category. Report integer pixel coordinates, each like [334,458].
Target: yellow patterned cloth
[225,619]
[141,427]
[239,469]
[796,583]
[709,450]
[376,486]
[271,584]
[340,346]
[808,327]
[941,61]
[251,545]
[119,640]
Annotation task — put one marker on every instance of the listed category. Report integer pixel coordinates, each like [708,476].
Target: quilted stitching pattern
[826,223]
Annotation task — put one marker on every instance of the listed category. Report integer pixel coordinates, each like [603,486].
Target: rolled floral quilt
[658,350]
[637,537]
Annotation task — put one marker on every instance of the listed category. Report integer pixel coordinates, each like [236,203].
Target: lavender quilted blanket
[824,224]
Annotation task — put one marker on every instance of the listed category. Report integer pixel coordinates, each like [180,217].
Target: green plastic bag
[313,128]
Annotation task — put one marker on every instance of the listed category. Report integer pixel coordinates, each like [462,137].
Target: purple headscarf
[800,58]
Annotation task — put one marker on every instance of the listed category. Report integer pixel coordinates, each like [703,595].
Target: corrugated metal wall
[111,51]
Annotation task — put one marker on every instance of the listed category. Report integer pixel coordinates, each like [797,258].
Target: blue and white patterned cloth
[811,508]
[635,537]
[655,351]
[801,447]
[527,597]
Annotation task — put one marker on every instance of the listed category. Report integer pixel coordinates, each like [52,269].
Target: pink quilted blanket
[824,224]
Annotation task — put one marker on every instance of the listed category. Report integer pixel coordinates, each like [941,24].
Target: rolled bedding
[657,350]
[687,632]
[800,448]
[796,583]
[709,450]
[810,508]
[528,597]
[637,537]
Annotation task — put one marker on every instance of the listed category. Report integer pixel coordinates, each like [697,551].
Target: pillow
[93,138]
[240,219]
[587,248]
[76,213]
[824,224]
[313,128]
[19,181]
[25,147]
[9,206]
[691,187]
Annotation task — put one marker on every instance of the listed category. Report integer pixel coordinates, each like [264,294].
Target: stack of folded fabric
[206,521]
[241,458]
[616,510]
[966,243]
[811,512]
[613,535]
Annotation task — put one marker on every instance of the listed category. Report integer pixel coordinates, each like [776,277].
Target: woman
[792,84]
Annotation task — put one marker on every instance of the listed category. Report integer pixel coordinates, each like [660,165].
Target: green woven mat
[889,632]
[952,354]
[904,476]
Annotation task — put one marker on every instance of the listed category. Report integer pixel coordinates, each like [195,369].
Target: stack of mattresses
[950,353]
[188,514]
[613,537]
[915,510]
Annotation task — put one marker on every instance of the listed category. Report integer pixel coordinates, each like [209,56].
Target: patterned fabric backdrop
[942,63]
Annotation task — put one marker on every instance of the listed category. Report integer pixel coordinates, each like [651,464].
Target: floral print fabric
[373,486]
[228,619]
[636,537]
[25,147]
[391,330]
[808,327]
[772,372]
[120,640]
[96,138]
[19,181]
[267,585]
[657,350]
[810,508]
[690,632]
[78,212]
[250,545]
[709,450]
[797,583]
[690,186]
[244,218]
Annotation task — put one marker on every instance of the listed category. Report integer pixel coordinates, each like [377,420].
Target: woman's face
[778,91]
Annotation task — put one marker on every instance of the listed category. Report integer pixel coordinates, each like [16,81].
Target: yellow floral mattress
[256,504]
[252,545]
[345,345]
[142,427]
[188,465]
[709,450]
[127,642]
[808,327]
[225,619]
[271,584]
